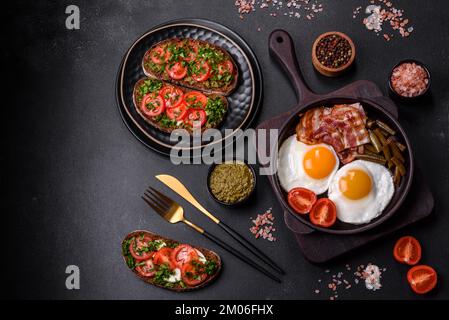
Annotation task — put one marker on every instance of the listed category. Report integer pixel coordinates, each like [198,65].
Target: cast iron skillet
[244,101]
[282,49]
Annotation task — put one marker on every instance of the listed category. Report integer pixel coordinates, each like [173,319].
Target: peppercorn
[333,51]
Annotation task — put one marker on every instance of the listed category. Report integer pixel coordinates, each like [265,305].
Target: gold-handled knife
[178,187]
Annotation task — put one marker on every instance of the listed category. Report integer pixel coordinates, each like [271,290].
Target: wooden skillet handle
[282,49]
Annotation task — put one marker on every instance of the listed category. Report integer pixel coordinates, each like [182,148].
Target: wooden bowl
[332,72]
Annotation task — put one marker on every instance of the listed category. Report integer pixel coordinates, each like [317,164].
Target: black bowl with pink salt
[409,79]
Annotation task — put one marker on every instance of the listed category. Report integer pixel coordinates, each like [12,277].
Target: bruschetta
[167,263]
[169,107]
[191,63]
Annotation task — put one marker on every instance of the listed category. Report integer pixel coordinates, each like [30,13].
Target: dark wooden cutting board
[317,246]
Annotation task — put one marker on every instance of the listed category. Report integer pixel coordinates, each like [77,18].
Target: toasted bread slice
[222,84]
[216,108]
[211,257]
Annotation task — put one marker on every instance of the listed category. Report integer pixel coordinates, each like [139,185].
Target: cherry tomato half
[176,71]
[152,105]
[147,269]
[192,273]
[195,99]
[172,96]
[159,55]
[301,199]
[138,248]
[195,118]
[407,250]
[324,213]
[192,51]
[183,254]
[422,278]
[225,66]
[177,113]
[163,256]
[201,71]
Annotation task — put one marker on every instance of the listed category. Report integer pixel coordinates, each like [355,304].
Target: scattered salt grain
[370,275]
[289,8]
[383,11]
[263,226]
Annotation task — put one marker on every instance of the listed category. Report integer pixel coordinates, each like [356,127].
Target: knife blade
[178,187]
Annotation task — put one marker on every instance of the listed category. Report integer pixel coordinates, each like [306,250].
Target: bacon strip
[342,127]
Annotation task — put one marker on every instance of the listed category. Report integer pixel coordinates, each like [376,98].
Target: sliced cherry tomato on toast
[139,248]
[177,113]
[407,250]
[195,99]
[193,273]
[422,278]
[226,66]
[192,49]
[163,256]
[146,269]
[152,105]
[173,96]
[195,118]
[324,213]
[183,254]
[301,199]
[159,55]
[176,71]
[201,71]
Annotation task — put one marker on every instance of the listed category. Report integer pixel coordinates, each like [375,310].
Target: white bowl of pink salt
[409,79]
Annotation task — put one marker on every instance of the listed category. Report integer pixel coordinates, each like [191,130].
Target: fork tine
[161,196]
[157,201]
[158,210]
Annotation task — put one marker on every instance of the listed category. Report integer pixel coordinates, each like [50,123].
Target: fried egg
[361,190]
[306,166]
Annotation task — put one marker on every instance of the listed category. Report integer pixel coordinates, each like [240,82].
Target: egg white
[371,206]
[290,168]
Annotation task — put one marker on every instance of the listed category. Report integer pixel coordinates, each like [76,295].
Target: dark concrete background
[74,174]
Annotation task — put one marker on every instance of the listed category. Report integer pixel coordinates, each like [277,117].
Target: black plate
[243,102]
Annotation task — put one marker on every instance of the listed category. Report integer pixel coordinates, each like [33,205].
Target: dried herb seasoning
[231,182]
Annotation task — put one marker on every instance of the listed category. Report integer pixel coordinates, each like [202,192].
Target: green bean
[399,165]
[384,126]
[370,148]
[370,123]
[385,133]
[401,146]
[380,136]
[370,153]
[377,159]
[386,152]
[390,164]
[396,152]
[375,141]
[397,177]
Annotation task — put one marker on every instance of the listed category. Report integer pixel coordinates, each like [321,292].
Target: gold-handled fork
[174,213]
[178,187]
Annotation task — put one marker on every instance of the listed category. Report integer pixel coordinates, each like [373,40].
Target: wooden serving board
[319,247]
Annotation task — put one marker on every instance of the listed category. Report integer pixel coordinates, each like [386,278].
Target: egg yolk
[356,184]
[319,162]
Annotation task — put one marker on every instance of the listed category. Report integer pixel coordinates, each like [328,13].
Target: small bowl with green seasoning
[333,53]
[231,183]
